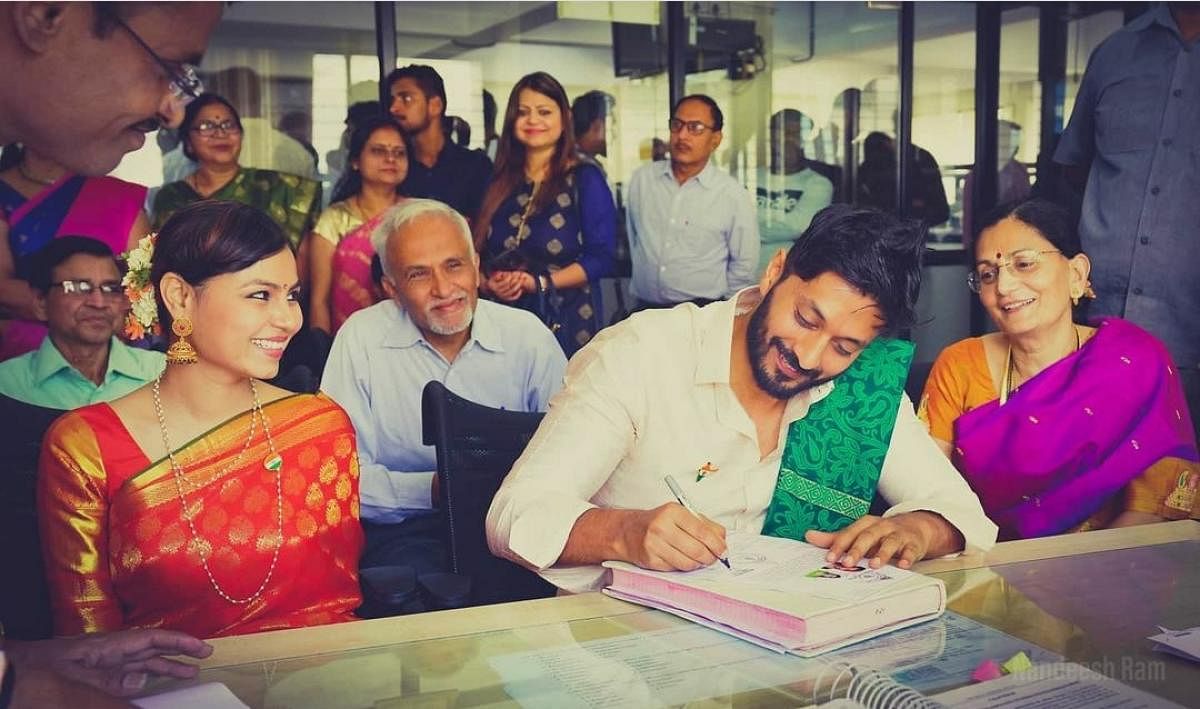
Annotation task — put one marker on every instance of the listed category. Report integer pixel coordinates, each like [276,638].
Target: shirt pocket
[1128,115]
[702,236]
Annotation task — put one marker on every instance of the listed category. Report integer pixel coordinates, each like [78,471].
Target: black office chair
[476,447]
[24,598]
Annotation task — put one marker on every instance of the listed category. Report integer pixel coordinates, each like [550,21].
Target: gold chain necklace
[1006,386]
[34,178]
[273,463]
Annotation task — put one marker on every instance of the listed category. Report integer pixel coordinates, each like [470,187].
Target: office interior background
[950,77]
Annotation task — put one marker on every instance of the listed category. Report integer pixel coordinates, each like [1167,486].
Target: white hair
[408,211]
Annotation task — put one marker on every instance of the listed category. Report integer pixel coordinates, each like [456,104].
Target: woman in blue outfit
[547,227]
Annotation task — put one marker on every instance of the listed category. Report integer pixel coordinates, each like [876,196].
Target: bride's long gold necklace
[273,463]
[1006,385]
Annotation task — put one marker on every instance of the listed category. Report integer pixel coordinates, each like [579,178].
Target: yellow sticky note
[1017,663]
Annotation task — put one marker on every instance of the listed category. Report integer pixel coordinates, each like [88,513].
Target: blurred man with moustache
[693,234]
[433,327]
[83,82]
[742,393]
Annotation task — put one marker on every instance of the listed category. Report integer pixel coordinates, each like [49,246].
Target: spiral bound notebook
[783,595]
[1056,684]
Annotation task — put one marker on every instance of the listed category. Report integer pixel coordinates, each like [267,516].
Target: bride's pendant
[273,463]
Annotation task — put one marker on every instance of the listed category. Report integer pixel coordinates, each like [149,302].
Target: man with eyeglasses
[83,82]
[693,233]
[79,294]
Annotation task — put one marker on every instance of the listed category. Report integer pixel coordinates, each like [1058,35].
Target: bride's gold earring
[181,351]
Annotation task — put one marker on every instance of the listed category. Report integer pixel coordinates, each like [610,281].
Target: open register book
[783,595]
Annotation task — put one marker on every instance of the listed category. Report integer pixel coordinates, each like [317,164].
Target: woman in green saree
[212,136]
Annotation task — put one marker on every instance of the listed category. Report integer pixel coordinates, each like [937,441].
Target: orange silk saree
[119,552]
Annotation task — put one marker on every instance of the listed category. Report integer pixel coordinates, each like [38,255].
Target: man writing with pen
[780,410]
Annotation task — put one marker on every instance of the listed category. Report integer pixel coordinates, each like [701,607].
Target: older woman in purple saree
[1058,426]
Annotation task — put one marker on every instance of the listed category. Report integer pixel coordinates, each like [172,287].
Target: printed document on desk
[782,594]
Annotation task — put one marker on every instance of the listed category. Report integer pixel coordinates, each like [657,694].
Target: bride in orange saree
[252,524]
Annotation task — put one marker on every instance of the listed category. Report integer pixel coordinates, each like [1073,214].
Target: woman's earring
[181,351]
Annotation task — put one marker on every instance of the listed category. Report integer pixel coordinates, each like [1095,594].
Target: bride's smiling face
[244,320]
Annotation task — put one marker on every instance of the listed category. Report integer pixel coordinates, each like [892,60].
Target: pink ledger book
[783,595]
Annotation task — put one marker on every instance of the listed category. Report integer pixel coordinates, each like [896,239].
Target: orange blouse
[119,552]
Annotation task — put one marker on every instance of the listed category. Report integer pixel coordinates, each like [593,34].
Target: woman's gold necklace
[1006,386]
[45,182]
[273,463]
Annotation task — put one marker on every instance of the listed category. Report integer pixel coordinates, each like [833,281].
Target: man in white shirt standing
[433,327]
[716,389]
[693,234]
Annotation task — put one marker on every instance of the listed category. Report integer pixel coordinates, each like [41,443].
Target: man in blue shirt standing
[432,327]
[693,233]
[1134,137]
[80,296]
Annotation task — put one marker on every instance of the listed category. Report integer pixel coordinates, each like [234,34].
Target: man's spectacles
[1021,264]
[211,128]
[378,151]
[185,84]
[693,127]
[82,289]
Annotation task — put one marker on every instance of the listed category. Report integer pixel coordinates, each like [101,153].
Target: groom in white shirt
[674,391]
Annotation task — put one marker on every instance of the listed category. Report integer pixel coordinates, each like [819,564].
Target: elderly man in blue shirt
[432,327]
[1134,135]
[693,231]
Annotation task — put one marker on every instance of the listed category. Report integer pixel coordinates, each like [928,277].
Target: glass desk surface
[1095,608]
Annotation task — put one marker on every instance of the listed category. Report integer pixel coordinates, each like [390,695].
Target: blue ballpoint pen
[678,493]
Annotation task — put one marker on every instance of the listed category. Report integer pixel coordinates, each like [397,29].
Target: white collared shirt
[651,397]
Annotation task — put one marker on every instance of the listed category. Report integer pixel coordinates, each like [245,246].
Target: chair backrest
[24,604]
[476,447]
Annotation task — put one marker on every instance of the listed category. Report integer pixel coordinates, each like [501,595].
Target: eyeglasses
[404,97]
[379,151]
[210,128]
[185,84]
[82,289]
[1021,264]
[693,127]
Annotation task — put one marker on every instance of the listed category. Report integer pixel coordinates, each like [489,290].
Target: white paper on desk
[785,565]
[210,695]
[1062,685]
[1184,643]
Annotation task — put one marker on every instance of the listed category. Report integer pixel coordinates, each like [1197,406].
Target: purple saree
[1076,434]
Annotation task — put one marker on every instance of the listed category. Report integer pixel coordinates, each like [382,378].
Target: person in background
[1091,454]
[589,115]
[790,192]
[431,327]
[81,299]
[207,501]
[491,141]
[1132,149]
[297,125]
[877,181]
[547,227]
[1012,180]
[439,168]
[340,253]
[39,201]
[139,60]
[693,233]
[212,136]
